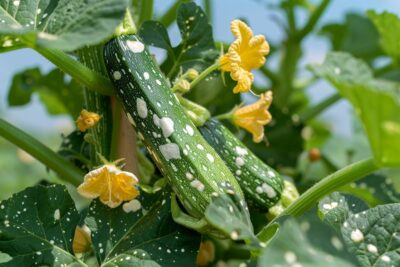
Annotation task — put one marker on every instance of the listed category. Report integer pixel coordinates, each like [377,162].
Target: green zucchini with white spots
[261,184]
[194,170]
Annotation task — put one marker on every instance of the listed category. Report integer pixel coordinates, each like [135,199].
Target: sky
[263,20]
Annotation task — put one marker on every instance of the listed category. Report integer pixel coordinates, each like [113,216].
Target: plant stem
[329,184]
[146,11]
[313,19]
[204,74]
[116,125]
[78,71]
[313,111]
[208,10]
[52,160]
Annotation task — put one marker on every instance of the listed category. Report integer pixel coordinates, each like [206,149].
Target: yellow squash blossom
[254,116]
[110,184]
[247,52]
[82,241]
[206,253]
[87,120]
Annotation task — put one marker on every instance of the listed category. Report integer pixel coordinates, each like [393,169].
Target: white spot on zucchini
[239,161]
[132,206]
[189,130]
[241,151]
[141,107]
[268,190]
[135,46]
[200,147]
[158,82]
[198,185]
[170,151]
[146,75]
[210,157]
[57,214]
[117,75]
[167,126]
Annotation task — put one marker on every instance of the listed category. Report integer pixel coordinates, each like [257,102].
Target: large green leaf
[376,102]
[58,95]
[336,208]
[292,246]
[373,236]
[196,50]
[61,24]
[37,227]
[148,231]
[357,35]
[388,25]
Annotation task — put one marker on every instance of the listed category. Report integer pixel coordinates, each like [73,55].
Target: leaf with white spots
[196,49]
[380,186]
[373,236]
[291,247]
[131,258]
[229,214]
[142,228]
[376,102]
[37,227]
[336,208]
[61,24]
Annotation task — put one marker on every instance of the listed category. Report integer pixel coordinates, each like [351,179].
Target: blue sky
[261,18]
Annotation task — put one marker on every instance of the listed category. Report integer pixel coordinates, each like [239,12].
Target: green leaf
[230,215]
[58,95]
[293,247]
[336,208]
[37,227]
[75,149]
[196,49]
[131,259]
[357,36]
[149,231]
[388,26]
[376,102]
[373,236]
[61,24]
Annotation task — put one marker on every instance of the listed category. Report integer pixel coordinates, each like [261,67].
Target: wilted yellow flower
[254,116]
[110,184]
[87,120]
[247,52]
[82,241]
[206,253]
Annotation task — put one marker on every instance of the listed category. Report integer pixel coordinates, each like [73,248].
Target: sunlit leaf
[376,102]
[62,24]
[388,25]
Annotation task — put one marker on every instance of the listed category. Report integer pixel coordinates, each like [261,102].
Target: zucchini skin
[194,170]
[261,184]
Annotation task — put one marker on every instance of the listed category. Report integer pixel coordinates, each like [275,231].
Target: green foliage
[196,50]
[57,95]
[61,24]
[376,102]
[388,26]
[373,235]
[336,208]
[357,36]
[37,227]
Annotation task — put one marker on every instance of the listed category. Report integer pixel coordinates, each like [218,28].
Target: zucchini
[194,170]
[261,184]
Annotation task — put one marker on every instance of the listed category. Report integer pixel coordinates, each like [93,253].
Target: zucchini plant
[199,149]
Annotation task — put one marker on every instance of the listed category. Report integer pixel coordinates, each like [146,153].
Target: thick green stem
[52,160]
[204,74]
[329,184]
[313,19]
[208,9]
[78,71]
[146,11]
[314,111]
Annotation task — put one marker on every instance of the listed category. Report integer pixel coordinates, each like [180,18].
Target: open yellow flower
[247,52]
[110,184]
[254,116]
[87,120]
